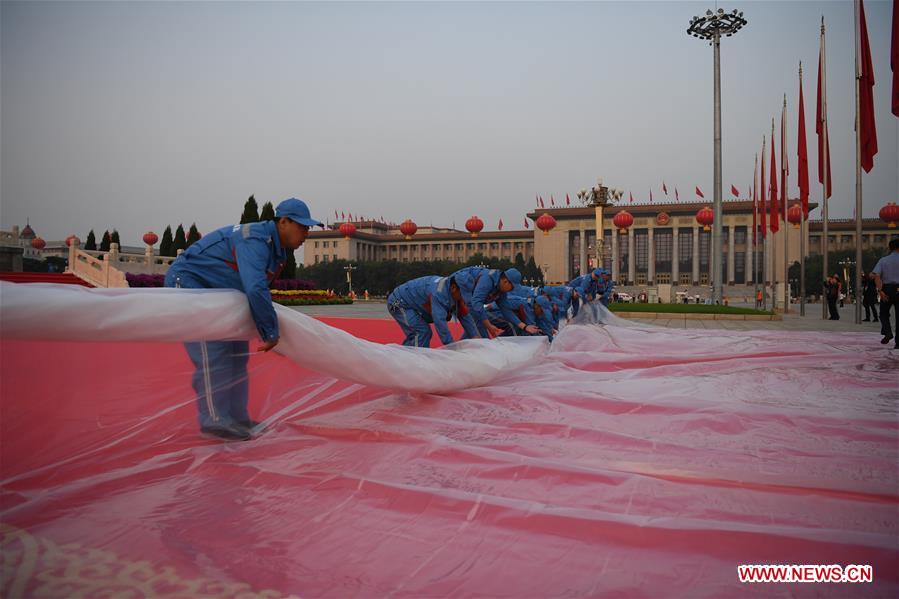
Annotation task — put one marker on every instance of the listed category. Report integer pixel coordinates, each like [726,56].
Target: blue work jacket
[480,286]
[243,257]
[430,297]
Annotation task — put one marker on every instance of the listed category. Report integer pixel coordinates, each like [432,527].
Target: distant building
[665,244]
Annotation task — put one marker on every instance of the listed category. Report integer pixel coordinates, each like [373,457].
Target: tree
[91,243]
[114,238]
[180,242]
[290,267]
[250,211]
[268,212]
[193,236]
[519,263]
[165,246]
[104,243]
[532,272]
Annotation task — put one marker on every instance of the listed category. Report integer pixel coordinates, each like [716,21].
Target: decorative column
[631,258]
[651,263]
[614,255]
[730,254]
[748,259]
[675,256]
[696,255]
[582,259]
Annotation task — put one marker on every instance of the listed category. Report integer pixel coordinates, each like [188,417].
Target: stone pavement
[812,320]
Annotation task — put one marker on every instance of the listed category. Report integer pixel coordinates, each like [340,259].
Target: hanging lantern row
[474,225]
[794,215]
[623,220]
[890,215]
[705,217]
[546,223]
[408,228]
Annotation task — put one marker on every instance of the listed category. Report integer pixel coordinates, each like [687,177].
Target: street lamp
[847,264]
[599,196]
[711,27]
[349,268]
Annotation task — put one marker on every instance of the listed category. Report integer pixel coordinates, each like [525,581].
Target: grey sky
[138,115]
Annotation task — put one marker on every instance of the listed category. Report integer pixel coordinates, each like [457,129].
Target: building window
[685,278]
[316,258]
[641,241]
[662,240]
[814,241]
[324,244]
[740,236]
[663,278]
[335,256]
[316,244]
[641,278]
[324,257]
[705,238]
[739,268]
[622,257]
[685,250]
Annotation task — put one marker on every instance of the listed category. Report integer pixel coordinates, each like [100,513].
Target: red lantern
[546,223]
[150,238]
[408,228]
[72,240]
[474,225]
[794,215]
[623,220]
[38,243]
[705,217]
[347,230]
[890,214]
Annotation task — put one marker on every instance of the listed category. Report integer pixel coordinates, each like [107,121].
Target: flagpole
[825,237]
[763,226]
[803,222]
[784,172]
[755,230]
[858,177]
[773,237]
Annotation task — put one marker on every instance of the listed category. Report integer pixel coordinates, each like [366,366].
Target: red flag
[676,195]
[537,200]
[734,191]
[342,216]
[526,226]
[567,200]
[774,222]
[802,151]
[699,192]
[632,196]
[821,122]
[866,122]
[664,188]
[552,200]
[542,205]
[894,57]
[650,196]
[763,225]
[500,227]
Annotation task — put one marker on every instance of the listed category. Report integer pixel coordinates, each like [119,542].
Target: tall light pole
[349,268]
[712,27]
[599,196]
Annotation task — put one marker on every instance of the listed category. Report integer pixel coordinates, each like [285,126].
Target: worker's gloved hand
[492,330]
[267,345]
[531,329]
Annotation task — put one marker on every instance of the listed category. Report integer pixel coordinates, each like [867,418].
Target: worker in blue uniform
[605,287]
[247,258]
[481,286]
[418,303]
[534,311]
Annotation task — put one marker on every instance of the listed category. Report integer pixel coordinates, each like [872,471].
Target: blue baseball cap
[297,211]
[513,275]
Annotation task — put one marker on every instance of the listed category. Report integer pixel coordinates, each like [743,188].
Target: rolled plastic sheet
[619,461]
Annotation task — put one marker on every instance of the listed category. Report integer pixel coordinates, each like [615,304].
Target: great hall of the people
[664,245]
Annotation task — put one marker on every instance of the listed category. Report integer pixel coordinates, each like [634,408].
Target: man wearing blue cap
[246,258]
[604,287]
[480,286]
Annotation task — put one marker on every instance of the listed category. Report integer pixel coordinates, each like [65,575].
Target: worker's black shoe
[886,339]
[228,432]
[248,424]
